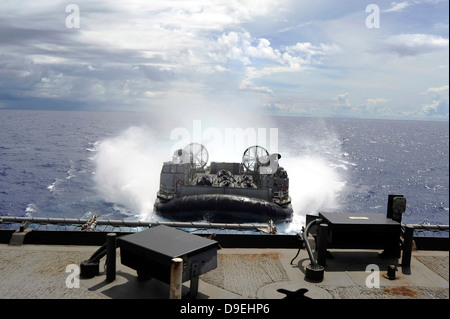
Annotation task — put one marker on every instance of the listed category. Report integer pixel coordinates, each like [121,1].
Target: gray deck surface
[39,271]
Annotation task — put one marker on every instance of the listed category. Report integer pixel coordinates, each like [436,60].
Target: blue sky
[307,58]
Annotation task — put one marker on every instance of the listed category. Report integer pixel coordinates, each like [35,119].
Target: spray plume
[129,165]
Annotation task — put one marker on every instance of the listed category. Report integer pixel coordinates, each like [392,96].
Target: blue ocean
[76,164]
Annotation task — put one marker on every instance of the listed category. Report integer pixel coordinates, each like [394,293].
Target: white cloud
[432,107]
[371,104]
[442,89]
[297,56]
[233,46]
[239,46]
[248,85]
[439,103]
[264,51]
[343,100]
[414,44]
[395,7]
[243,48]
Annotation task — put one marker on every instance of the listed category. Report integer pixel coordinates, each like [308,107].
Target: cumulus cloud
[261,59]
[240,46]
[233,46]
[375,104]
[439,104]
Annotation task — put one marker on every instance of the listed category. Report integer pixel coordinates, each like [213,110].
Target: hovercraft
[254,190]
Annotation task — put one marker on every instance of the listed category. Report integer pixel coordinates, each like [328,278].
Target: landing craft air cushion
[254,190]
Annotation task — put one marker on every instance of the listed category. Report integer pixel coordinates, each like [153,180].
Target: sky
[321,58]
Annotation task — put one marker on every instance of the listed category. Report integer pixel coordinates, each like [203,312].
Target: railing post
[110,257]
[322,238]
[407,245]
[176,276]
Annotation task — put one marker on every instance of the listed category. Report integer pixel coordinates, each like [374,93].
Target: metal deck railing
[93,224]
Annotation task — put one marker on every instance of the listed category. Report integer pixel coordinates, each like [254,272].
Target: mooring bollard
[176,276]
[111,257]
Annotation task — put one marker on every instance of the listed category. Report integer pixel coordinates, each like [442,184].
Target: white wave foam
[71,172]
[93,147]
[30,210]
[314,186]
[52,187]
[128,170]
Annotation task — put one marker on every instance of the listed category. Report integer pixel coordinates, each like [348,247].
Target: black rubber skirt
[222,208]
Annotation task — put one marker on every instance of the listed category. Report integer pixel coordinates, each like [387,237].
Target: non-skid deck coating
[39,271]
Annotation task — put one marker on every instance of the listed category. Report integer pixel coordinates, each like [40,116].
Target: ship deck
[43,271]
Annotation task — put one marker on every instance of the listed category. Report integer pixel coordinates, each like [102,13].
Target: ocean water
[75,164]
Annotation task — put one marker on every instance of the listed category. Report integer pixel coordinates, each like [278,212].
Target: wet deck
[48,271]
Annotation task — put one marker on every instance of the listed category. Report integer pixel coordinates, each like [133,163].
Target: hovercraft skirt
[222,207]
